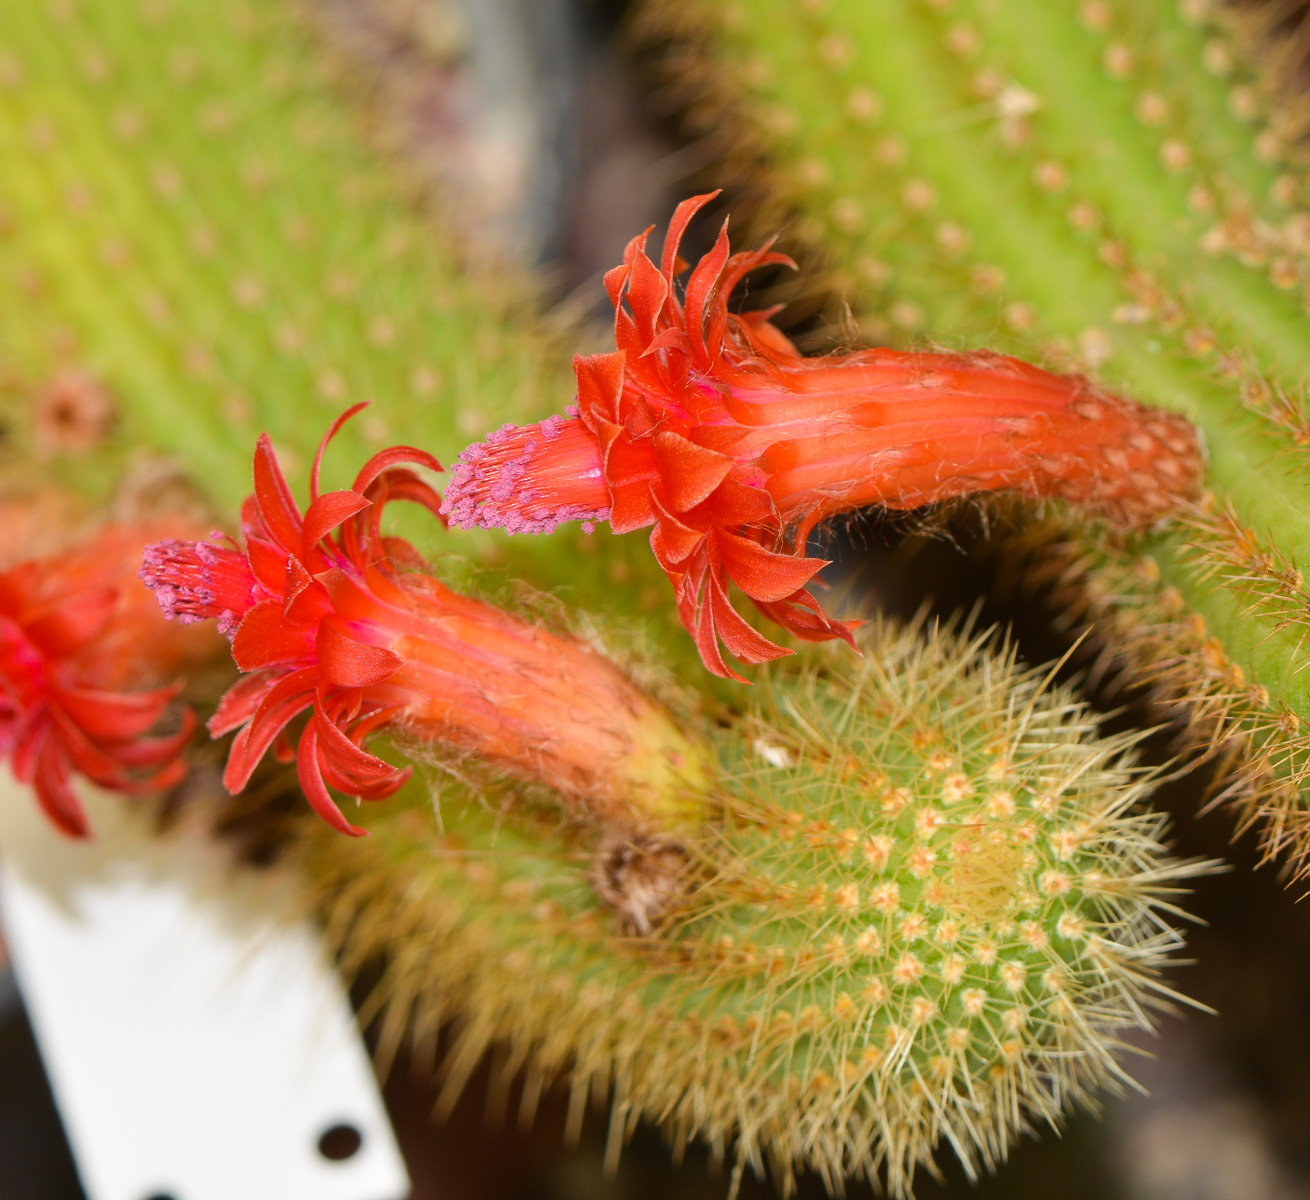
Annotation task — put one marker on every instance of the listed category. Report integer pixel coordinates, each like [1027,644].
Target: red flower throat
[328,615]
[708,426]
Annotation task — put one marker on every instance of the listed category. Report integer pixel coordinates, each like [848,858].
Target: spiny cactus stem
[1008,215]
[855,976]
[1088,186]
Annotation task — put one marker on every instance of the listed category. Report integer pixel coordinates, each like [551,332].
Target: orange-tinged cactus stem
[710,428]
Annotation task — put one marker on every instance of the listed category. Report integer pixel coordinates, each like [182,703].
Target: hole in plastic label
[340,1142]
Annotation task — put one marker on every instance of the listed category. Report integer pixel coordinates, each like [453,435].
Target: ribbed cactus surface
[197,225]
[1102,187]
[925,901]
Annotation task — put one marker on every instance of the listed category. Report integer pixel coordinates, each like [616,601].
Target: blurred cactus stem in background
[1105,187]
[200,240]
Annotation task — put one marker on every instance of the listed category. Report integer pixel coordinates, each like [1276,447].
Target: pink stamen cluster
[528,479]
[195,580]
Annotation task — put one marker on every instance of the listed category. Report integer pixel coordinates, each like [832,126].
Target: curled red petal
[347,662]
[689,473]
[672,338]
[241,701]
[631,507]
[352,770]
[332,431]
[284,749]
[802,615]
[325,513]
[93,761]
[169,775]
[742,639]
[390,458]
[265,638]
[290,695]
[273,499]
[688,581]
[53,784]
[405,485]
[64,627]
[309,607]
[616,277]
[646,293]
[268,563]
[28,740]
[764,574]
[311,783]
[114,716]
[742,264]
[297,580]
[682,217]
[735,504]
[600,386]
[673,542]
[158,751]
[700,293]
[707,642]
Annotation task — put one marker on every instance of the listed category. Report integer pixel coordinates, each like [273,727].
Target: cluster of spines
[929,909]
[935,158]
[1147,641]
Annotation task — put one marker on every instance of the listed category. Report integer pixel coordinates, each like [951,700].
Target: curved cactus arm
[930,902]
[1100,187]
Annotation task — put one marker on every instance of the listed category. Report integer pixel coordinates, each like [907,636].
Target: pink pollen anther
[197,581]
[529,479]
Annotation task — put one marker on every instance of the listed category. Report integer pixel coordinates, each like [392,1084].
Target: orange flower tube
[708,427]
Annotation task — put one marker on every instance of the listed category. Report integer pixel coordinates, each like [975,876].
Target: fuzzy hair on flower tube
[87,674]
[327,615]
[709,427]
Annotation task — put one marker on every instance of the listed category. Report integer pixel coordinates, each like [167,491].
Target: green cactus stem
[931,904]
[930,910]
[1103,187]
[196,227]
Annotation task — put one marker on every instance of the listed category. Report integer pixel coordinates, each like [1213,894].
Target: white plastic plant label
[198,1047]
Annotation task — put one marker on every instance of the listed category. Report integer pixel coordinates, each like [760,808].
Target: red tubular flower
[327,615]
[709,427]
[83,650]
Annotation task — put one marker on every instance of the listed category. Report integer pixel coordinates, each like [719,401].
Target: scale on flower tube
[198,1046]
